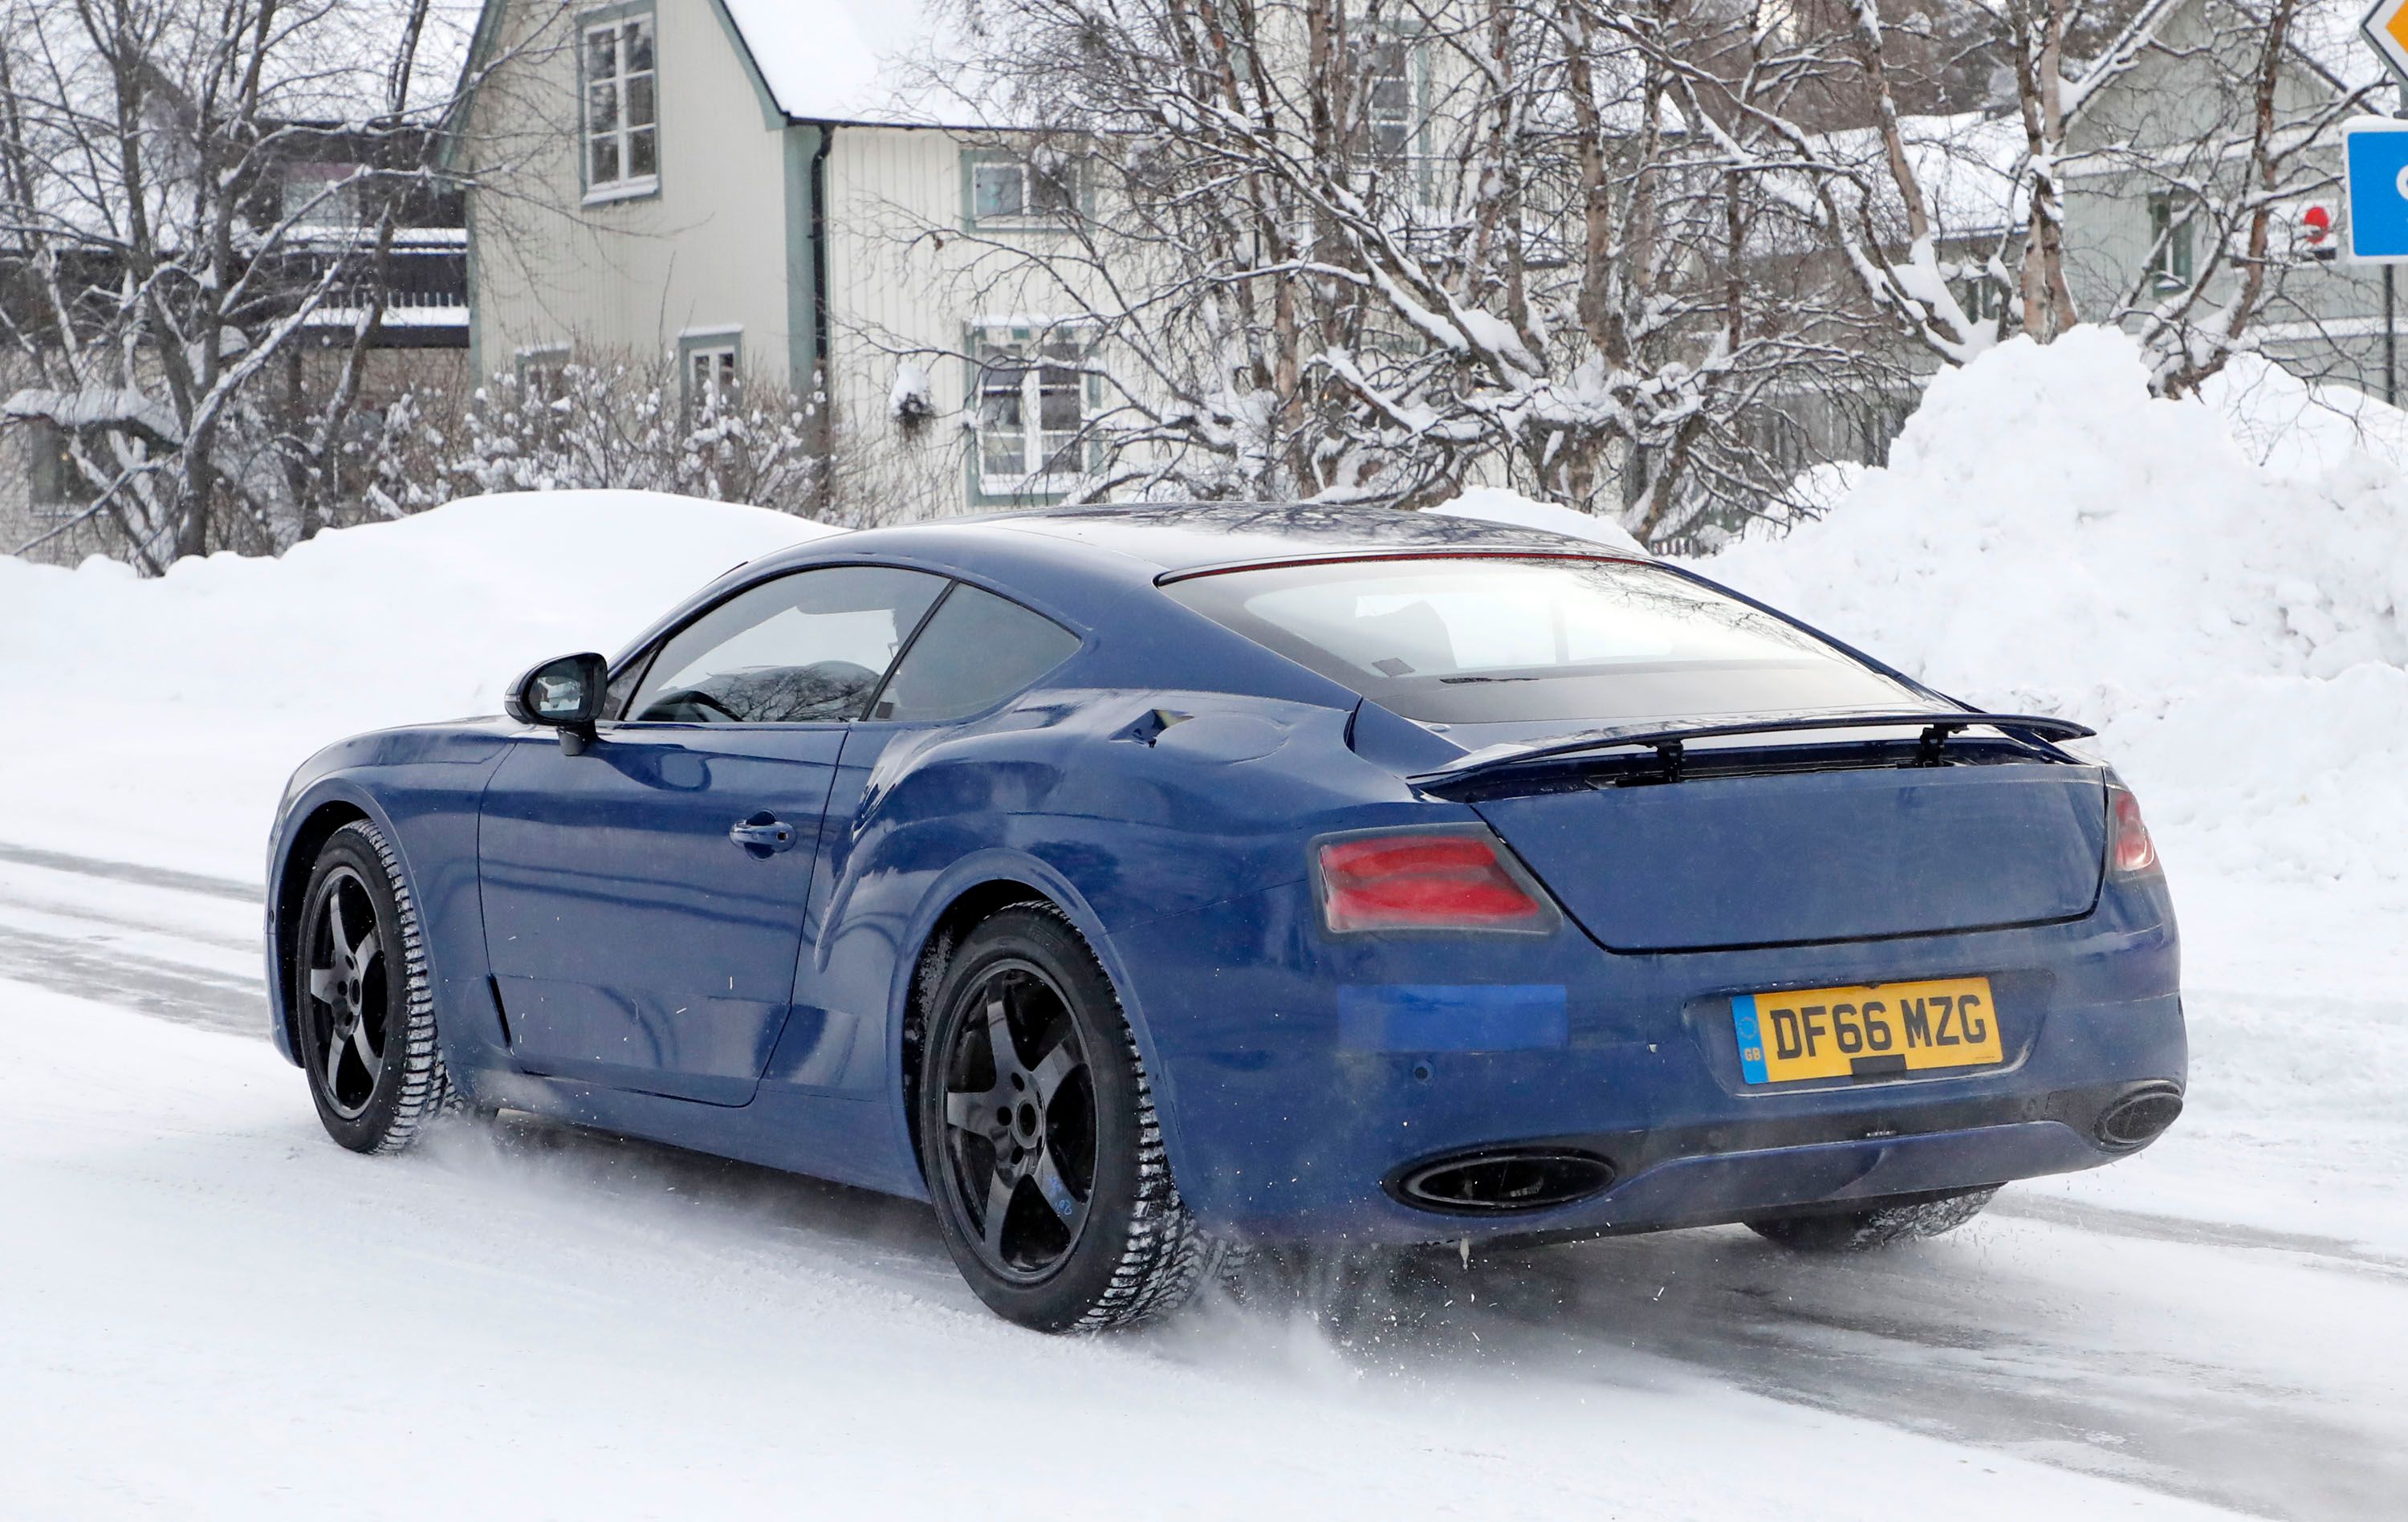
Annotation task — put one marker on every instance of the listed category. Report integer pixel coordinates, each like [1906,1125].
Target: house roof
[874,62]
[2324,37]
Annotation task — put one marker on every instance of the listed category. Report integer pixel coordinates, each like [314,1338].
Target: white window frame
[1046,470]
[711,364]
[620,26]
[1022,167]
[1404,122]
[54,485]
[2173,240]
[542,367]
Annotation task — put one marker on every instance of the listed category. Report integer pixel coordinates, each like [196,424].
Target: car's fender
[421,788]
[1085,798]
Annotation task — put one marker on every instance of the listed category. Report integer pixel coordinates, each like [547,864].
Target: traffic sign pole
[2386,30]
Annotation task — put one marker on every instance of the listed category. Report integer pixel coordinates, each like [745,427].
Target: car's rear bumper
[1286,1121]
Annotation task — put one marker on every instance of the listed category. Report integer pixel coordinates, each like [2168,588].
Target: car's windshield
[1462,639]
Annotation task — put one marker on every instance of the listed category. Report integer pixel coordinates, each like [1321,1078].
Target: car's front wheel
[362,1004]
[1038,1131]
[1862,1230]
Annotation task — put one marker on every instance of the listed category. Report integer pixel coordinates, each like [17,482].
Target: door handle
[763,835]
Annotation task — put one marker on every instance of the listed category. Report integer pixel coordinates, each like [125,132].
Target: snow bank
[2223,591]
[1495,505]
[2298,429]
[158,720]
[191,1264]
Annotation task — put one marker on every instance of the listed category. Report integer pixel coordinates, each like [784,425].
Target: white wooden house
[2133,229]
[755,187]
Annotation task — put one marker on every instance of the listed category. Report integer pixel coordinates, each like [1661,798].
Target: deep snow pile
[2047,537]
[1496,505]
[158,720]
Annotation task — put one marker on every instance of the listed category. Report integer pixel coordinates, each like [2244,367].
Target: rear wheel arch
[969,908]
[965,907]
[1054,1193]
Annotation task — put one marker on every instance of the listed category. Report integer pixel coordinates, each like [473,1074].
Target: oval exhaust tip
[1503,1180]
[2138,1117]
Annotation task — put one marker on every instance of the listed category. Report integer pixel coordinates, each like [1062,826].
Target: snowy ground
[211,1310]
[207,1309]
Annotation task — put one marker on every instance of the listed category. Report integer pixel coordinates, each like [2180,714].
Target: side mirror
[566,694]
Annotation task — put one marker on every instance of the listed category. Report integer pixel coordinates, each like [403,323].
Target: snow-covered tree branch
[2236,137]
[194,200]
[1372,251]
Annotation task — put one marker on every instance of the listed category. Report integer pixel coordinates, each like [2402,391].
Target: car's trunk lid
[1717,862]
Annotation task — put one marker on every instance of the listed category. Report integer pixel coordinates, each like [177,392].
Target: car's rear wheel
[1038,1134]
[1863,1229]
[363,1010]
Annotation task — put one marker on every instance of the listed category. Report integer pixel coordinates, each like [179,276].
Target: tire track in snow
[128,871]
[2020,1375]
[167,990]
[67,943]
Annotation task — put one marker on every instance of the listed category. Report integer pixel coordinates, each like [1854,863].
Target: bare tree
[160,271]
[1372,250]
[617,421]
[2235,136]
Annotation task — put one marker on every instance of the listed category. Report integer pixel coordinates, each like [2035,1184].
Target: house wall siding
[2324,321]
[709,250]
[907,279]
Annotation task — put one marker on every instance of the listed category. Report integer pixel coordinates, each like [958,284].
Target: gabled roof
[871,61]
[837,62]
[2324,39]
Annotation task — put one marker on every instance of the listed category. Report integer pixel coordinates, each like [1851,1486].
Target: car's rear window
[1460,640]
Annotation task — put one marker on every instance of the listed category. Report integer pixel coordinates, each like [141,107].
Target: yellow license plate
[1889,1029]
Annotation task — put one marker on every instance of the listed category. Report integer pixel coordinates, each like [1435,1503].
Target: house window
[622,145]
[709,366]
[54,483]
[2169,242]
[1011,188]
[1032,406]
[1982,298]
[1389,96]
[321,195]
[543,372]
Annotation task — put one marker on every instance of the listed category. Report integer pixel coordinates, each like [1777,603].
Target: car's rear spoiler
[1934,728]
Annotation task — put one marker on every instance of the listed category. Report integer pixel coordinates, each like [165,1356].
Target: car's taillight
[1426,880]
[2129,850]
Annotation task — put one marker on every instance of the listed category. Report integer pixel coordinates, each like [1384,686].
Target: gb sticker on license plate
[1884,1030]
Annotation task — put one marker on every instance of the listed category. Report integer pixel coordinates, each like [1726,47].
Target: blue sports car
[1139,886]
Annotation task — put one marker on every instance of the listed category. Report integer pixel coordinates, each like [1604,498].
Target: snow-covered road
[210,1310]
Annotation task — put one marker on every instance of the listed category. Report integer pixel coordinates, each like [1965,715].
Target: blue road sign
[2375,152]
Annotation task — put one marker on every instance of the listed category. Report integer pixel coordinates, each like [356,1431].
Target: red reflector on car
[1426,880]
[2129,849]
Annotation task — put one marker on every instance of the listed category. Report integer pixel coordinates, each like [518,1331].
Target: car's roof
[1081,566]
[1170,539]
[1191,537]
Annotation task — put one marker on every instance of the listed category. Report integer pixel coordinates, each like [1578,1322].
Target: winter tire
[363,1010]
[1861,1230]
[1038,1135]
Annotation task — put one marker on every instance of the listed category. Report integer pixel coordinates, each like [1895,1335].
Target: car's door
[972,653]
[644,900]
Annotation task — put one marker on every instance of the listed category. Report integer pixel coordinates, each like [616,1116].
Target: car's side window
[804,648]
[977,650]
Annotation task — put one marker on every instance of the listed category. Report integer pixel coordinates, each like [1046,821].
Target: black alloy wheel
[346,976]
[1039,1138]
[1020,1121]
[364,1015]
